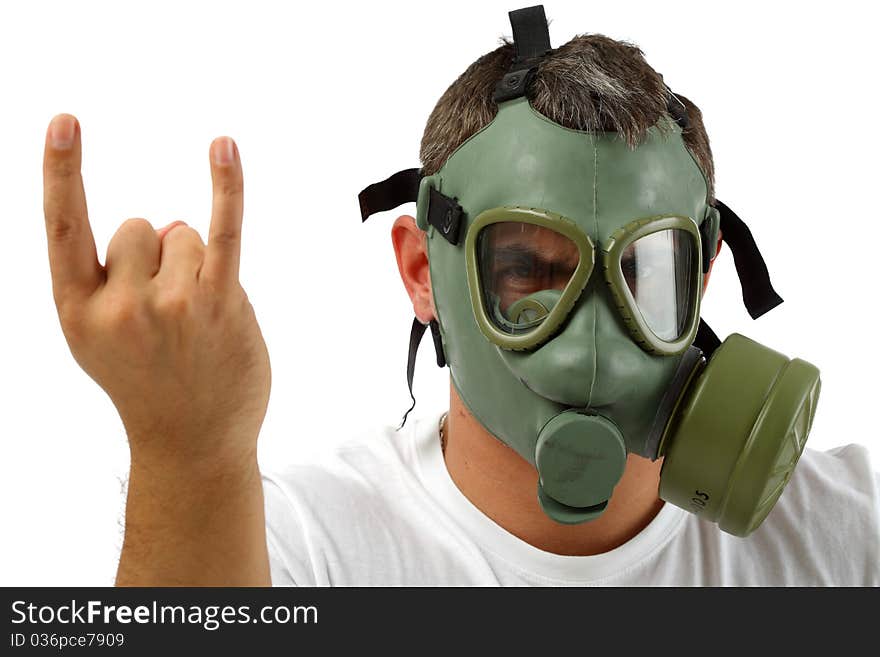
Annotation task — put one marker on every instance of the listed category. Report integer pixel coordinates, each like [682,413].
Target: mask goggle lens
[523,269]
[528,267]
[657,269]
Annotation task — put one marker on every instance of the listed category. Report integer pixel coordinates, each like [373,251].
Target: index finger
[223,252]
[73,258]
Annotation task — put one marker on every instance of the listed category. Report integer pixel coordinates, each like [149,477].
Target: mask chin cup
[580,458]
[737,434]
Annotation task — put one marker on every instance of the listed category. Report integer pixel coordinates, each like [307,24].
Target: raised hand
[165,328]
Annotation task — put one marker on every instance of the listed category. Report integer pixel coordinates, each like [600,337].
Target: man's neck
[503,485]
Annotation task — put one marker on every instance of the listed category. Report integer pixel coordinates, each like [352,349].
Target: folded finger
[133,252]
[182,253]
[162,231]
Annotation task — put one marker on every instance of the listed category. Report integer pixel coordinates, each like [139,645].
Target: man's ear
[712,262]
[411,250]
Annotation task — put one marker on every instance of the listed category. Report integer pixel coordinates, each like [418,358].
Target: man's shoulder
[349,462]
[840,484]
[358,512]
[368,468]
[825,528]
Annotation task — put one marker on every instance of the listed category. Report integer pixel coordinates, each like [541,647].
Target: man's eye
[516,274]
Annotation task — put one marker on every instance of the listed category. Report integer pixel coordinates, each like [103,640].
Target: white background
[327,97]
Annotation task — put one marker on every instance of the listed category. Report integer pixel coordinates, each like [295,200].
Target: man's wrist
[194,524]
[229,471]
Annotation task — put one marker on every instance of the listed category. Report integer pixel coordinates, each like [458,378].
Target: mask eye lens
[658,270]
[523,270]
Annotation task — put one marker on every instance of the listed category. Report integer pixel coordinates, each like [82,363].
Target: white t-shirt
[383,510]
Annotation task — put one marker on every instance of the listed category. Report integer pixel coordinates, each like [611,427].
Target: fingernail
[61,132]
[222,151]
[176,222]
[162,232]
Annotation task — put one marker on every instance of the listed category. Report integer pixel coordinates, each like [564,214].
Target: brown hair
[590,83]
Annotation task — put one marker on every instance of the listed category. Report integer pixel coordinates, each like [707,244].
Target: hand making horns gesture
[164,327]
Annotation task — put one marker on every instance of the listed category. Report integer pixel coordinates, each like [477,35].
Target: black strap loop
[398,189]
[531,40]
[758,294]
[445,214]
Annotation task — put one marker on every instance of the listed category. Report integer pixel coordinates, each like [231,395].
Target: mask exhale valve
[580,459]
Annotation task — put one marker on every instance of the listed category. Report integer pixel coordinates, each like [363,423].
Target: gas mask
[567,270]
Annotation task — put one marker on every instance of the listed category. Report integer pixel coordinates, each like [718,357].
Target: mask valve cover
[580,458]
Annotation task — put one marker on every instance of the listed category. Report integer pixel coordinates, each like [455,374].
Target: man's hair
[591,83]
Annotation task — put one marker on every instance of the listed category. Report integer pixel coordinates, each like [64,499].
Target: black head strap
[444,212]
[758,294]
[400,188]
[531,39]
[415,337]
[706,340]
[706,245]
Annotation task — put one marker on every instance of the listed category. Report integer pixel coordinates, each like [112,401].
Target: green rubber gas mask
[567,270]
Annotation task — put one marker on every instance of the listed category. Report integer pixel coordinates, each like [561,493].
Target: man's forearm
[167,314]
[194,526]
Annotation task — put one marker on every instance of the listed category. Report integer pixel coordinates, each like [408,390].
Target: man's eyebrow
[521,252]
[515,250]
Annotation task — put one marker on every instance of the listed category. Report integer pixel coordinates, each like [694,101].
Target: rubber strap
[415,338]
[398,189]
[438,343]
[444,212]
[758,294]
[531,37]
[706,341]
[706,245]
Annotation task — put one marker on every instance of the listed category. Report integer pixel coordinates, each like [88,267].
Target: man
[165,328]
